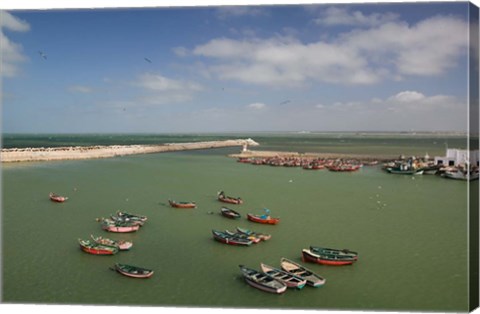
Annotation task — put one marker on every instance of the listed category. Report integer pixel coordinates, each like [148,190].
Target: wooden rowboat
[290,280]
[133,271]
[182,204]
[263,219]
[120,244]
[309,256]
[230,213]
[95,248]
[261,236]
[228,199]
[262,281]
[345,253]
[243,236]
[57,198]
[312,279]
[112,226]
[226,238]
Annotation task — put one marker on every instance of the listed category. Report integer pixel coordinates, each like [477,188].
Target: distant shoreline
[9,155]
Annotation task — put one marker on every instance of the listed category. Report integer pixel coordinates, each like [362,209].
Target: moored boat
[262,281]
[228,199]
[243,236]
[263,219]
[261,236]
[133,271]
[112,226]
[122,245]
[126,220]
[226,238]
[309,256]
[345,253]
[57,198]
[230,213]
[182,204]
[126,215]
[290,280]
[312,279]
[96,249]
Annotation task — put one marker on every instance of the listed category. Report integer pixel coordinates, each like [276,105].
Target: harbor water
[410,231]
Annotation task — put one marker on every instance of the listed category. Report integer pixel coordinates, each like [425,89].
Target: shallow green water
[411,233]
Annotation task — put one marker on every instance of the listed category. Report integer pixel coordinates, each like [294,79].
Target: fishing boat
[113,226]
[309,256]
[312,279]
[410,171]
[133,271]
[263,219]
[95,248]
[230,213]
[243,236]
[122,245]
[57,198]
[228,199]
[461,174]
[182,204]
[290,280]
[226,238]
[344,168]
[313,166]
[126,215]
[126,220]
[262,281]
[335,252]
[261,236]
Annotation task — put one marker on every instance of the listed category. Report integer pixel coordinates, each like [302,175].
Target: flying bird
[44,56]
[285,102]
[148,60]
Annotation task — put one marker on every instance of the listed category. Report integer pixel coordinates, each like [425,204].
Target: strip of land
[91,152]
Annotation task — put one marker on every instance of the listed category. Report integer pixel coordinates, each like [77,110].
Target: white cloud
[257,106]
[385,52]
[335,16]
[164,90]
[180,51]
[11,52]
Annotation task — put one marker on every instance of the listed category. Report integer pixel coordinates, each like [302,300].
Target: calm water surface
[411,233]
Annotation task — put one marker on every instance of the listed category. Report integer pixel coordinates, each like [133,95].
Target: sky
[288,67]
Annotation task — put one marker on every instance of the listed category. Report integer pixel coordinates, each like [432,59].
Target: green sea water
[410,232]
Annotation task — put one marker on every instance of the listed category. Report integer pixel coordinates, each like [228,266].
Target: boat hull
[312,279]
[268,221]
[182,205]
[120,229]
[265,288]
[307,256]
[147,274]
[230,240]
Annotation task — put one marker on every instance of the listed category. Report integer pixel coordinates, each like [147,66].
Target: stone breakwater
[90,152]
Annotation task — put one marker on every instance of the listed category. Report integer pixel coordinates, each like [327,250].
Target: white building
[457,157]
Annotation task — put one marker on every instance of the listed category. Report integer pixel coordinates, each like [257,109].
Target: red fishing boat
[95,248]
[122,227]
[344,168]
[309,256]
[182,204]
[263,219]
[57,198]
[228,199]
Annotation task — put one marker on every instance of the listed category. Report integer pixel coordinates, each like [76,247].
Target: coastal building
[456,157]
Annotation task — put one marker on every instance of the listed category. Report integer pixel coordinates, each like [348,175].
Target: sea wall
[279,154]
[90,152]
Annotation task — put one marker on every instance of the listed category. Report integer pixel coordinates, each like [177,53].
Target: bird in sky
[285,102]
[148,60]
[43,55]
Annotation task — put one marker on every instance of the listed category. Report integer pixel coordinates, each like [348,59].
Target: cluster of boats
[277,280]
[413,166]
[98,245]
[123,222]
[241,237]
[306,163]
[294,275]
